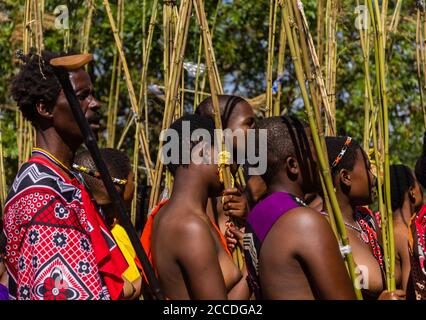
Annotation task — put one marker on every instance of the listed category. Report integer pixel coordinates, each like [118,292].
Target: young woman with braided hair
[354,184]
[407,199]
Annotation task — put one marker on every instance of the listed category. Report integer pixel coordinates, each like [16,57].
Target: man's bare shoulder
[304,218]
[300,229]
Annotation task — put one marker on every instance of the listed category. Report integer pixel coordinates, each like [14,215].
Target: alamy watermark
[250,147]
[362,21]
[62,20]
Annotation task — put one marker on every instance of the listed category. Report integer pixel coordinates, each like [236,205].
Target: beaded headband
[341,153]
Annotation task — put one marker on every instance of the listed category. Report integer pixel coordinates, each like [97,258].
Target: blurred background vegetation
[241,48]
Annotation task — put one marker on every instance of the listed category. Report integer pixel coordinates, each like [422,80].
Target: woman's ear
[129,188]
[345,177]
[292,165]
[43,110]
[411,195]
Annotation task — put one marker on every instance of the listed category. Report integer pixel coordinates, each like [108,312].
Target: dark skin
[57,131]
[234,202]
[256,189]
[355,188]
[413,200]
[187,251]
[292,260]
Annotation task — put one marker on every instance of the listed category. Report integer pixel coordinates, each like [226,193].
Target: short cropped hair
[286,137]
[195,122]
[36,82]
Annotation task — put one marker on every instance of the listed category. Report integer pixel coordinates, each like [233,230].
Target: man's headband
[341,153]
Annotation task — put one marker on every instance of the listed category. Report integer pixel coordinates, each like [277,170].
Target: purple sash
[4,293]
[260,220]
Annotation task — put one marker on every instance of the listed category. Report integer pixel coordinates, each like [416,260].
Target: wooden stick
[129,123]
[280,67]
[213,81]
[378,23]
[420,61]
[203,83]
[133,211]
[133,101]
[322,156]
[318,75]
[371,109]
[3,191]
[87,26]
[197,75]
[179,47]
[273,7]
[330,62]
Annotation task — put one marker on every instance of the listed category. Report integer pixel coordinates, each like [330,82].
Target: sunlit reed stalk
[371,121]
[280,67]
[87,26]
[322,156]
[115,83]
[379,26]
[331,59]
[273,7]
[420,59]
[3,191]
[133,100]
[179,46]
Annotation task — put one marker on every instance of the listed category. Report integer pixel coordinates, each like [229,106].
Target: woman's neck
[189,187]
[346,207]
[403,215]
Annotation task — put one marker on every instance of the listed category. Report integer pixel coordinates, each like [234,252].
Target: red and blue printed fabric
[58,247]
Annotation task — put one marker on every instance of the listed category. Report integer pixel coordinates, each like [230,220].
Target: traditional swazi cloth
[366,220]
[416,244]
[259,222]
[147,233]
[58,246]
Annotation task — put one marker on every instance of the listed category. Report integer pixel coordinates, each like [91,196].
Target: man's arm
[197,256]
[316,245]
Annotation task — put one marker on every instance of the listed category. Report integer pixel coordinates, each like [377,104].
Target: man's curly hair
[35,82]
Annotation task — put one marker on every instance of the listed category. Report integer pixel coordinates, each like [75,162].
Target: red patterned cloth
[58,247]
[366,220]
[416,243]
[420,224]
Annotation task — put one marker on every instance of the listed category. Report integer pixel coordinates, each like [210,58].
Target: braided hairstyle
[227,104]
[36,82]
[286,137]
[402,179]
[334,146]
[195,122]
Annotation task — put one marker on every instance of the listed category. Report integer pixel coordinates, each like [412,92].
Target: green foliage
[240,43]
